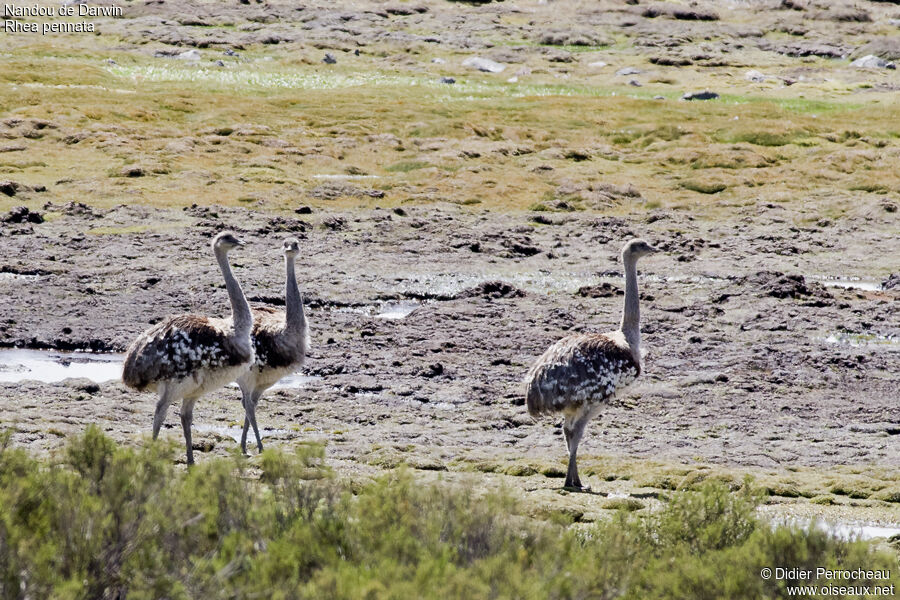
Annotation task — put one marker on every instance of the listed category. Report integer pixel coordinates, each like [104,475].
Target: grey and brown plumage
[280,340]
[578,374]
[184,357]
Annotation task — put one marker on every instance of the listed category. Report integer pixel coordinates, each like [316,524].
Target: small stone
[598,64]
[21,214]
[438,61]
[870,61]
[755,76]
[132,172]
[448,80]
[230,52]
[704,95]
[220,63]
[304,210]
[110,61]
[628,71]
[189,55]
[9,187]
[329,59]
[634,83]
[485,65]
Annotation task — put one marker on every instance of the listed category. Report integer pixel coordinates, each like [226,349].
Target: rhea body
[186,356]
[280,341]
[579,374]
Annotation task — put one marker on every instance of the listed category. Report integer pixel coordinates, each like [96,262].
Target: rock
[448,80]
[329,59]
[780,285]
[704,95]
[601,290]
[755,76]
[133,171]
[492,290]
[567,37]
[671,61]
[189,55]
[22,214]
[800,49]
[333,223]
[870,61]
[681,13]
[892,282]
[628,71]
[304,210]
[9,187]
[597,64]
[483,64]
[333,190]
[634,83]
[438,61]
[219,63]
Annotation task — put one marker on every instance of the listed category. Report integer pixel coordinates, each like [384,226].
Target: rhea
[578,374]
[280,341]
[184,357]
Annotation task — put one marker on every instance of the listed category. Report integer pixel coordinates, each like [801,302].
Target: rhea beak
[653,249]
[241,243]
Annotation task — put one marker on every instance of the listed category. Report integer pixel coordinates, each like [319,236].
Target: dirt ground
[772,342]
[750,361]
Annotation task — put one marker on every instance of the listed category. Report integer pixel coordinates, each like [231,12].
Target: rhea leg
[251,399]
[573,428]
[165,398]
[245,399]
[187,416]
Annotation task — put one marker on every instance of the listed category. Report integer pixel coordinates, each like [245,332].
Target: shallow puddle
[295,381]
[858,283]
[50,366]
[18,277]
[845,530]
[235,432]
[397,310]
[860,340]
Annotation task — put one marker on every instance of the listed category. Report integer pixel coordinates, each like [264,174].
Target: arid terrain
[450,231]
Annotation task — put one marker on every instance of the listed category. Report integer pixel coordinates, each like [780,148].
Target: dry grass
[206,135]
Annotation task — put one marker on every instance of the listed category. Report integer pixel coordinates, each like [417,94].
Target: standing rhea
[280,339]
[186,356]
[577,374]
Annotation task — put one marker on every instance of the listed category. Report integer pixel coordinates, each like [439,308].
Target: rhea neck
[295,317]
[631,315]
[240,309]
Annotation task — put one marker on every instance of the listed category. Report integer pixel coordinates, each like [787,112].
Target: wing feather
[178,347]
[579,369]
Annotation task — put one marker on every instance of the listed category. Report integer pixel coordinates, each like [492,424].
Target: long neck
[295,317]
[631,314]
[240,309]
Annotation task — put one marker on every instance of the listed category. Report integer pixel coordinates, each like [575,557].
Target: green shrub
[104,521]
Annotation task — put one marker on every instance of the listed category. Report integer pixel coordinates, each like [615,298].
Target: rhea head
[291,247]
[636,249]
[226,241]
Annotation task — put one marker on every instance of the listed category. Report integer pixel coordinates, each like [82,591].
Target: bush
[103,521]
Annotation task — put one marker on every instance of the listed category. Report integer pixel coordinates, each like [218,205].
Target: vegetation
[103,521]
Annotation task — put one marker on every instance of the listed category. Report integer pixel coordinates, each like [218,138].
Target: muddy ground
[751,360]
